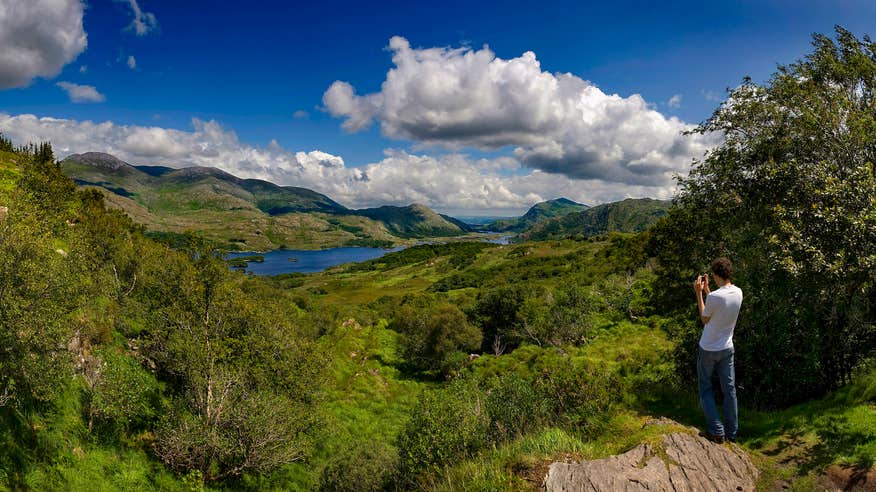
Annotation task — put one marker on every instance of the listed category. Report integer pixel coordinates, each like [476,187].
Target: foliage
[122,392]
[788,196]
[446,425]
[362,466]
[104,330]
[433,338]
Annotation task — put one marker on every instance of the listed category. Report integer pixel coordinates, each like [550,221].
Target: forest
[134,361]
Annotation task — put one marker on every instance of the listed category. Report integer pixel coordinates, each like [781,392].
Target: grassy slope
[792,446]
[630,215]
[371,397]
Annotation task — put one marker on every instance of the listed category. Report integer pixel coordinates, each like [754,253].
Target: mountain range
[248,214]
[256,215]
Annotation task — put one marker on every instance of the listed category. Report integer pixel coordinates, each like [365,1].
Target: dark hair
[722,267]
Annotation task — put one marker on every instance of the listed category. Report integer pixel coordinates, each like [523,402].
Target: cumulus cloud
[38,37]
[132,62]
[452,183]
[559,123]
[81,93]
[300,114]
[143,22]
[674,101]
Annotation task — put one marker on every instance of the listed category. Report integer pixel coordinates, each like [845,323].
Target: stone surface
[681,462]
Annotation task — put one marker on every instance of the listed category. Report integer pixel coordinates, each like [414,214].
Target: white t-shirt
[722,306]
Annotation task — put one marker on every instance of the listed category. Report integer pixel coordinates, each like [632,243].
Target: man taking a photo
[718,313]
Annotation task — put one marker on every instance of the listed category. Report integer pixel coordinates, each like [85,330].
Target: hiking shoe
[716,438]
[732,439]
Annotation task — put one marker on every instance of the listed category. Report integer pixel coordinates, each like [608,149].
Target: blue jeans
[721,362]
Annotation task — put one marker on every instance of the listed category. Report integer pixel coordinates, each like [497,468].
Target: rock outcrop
[682,461]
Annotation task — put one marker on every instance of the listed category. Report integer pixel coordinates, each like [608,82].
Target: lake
[309,261]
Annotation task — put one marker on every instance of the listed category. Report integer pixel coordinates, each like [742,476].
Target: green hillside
[247,214]
[630,215]
[537,213]
[415,220]
[128,365]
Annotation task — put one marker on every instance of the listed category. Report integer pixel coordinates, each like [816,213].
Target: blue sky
[249,66]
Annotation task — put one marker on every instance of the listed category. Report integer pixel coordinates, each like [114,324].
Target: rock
[681,462]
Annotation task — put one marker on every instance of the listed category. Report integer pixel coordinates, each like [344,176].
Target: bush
[516,406]
[436,337]
[363,466]
[446,425]
[123,394]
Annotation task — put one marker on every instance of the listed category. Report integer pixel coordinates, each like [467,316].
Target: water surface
[309,261]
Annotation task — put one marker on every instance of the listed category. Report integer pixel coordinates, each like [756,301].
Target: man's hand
[701,284]
[698,285]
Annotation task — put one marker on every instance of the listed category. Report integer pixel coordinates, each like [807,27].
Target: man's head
[723,268]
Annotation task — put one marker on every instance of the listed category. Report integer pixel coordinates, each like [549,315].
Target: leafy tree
[788,195]
[498,313]
[560,316]
[245,383]
[434,337]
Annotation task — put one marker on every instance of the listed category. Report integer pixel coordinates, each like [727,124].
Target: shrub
[446,425]
[434,337]
[363,466]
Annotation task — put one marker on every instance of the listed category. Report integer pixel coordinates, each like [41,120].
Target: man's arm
[699,285]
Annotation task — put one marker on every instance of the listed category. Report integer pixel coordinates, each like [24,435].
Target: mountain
[415,220]
[630,215]
[159,186]
[537,213]
[248,214]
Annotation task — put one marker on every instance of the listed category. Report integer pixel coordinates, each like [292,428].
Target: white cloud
[559,123]
[300,114]
[451,183]
[37,38]
[81,93]
[711,96]
[132,62]
[674,101]
[83,69]
[143,22]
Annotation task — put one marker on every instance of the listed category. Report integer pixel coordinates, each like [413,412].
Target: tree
[245,387]
[789,196]
[433,337]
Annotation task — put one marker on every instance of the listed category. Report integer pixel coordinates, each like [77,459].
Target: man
[718,313]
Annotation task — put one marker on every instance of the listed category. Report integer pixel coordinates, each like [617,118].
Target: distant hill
[630,215]
[247,213]
[415,221]
[537,213]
